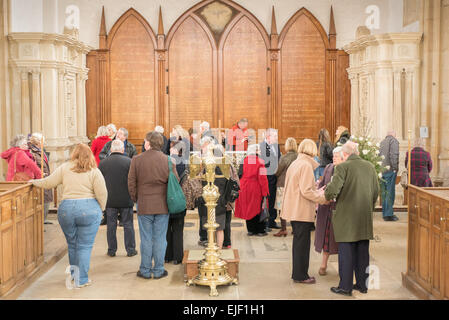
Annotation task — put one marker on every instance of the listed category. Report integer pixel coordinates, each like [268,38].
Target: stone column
[36,109]
[25,95]
[61,105]
[397,103]
[355,112]
[81,104]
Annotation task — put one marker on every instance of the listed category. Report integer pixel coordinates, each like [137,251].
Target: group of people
[323,186]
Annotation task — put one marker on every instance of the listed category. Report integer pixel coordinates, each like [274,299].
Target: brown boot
[282,233]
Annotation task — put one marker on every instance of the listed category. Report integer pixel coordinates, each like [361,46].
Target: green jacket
[355,186]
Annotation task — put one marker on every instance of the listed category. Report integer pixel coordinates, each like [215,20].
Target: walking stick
[42,173]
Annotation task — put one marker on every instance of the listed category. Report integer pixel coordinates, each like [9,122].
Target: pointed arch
[131,12]
[312,18]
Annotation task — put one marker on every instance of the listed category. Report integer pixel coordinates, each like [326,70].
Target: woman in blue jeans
[84,198]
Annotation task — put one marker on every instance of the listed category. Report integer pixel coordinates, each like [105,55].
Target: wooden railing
[21,233]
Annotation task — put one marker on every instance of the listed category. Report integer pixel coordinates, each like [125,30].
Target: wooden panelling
[245,76]
[190,65]
[218,64]
[132,77]
[428,243]
[303,80]
[21,233]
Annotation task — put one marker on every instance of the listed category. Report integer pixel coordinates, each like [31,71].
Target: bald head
[391,133]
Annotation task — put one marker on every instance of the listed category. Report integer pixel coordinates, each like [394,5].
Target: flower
[370,144]
[388,167]
[365,152]
[377,152]
[383,157]
[379,163]
[380,175]
[378,145]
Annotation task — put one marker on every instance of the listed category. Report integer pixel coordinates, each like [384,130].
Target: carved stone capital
[274,54]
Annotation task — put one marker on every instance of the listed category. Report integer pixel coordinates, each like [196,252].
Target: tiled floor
[265,270]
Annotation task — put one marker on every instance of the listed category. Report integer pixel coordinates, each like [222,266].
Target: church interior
[68,67]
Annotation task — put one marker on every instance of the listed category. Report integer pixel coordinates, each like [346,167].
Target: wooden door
[413,236]
[8,267]
[424,245]
[436,245]
[132,76]
[191,92]
[445,252]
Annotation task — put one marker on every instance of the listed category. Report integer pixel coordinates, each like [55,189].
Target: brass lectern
[212,271]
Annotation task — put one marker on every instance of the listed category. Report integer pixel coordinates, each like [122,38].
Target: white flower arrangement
[365,152]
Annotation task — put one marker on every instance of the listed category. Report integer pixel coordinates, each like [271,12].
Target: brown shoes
[282,233]
[311,280]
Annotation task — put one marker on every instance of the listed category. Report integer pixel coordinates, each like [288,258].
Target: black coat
[115,169]
[165,148]
[271,160]
[130,150]
[326,154]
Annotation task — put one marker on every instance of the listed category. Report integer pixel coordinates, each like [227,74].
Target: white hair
[338,150]
[18,140]
[159,129]
[253,149]
[205,125]
[112,127]
[205,140]
[102,131]
[350,148]
[117,146]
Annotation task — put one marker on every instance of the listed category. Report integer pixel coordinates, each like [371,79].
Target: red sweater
[23,163]
[97,146]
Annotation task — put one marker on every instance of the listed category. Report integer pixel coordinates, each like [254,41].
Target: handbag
[19,176]
[264,214]
[279,198]
[176,200]
[192,189]
[404,179]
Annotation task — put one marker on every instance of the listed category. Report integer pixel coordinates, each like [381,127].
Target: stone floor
[265,270]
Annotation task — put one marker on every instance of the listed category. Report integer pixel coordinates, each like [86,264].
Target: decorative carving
[362,31]
[403,51]
[217,15]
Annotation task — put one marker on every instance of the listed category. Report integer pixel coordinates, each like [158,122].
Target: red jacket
[97,146]
[253,187]
[23,164]
[235,137]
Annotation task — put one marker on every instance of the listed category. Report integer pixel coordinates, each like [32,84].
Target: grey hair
[338,150]
[125,132]
[420,143]
[18,140]
[206,139]
[117,145]
[253,149]
[205,125]
[350,148]
[270,132]
[159,129]
[102,131]
[112,127]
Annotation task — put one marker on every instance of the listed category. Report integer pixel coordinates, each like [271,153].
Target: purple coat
[324,215]
[421,167]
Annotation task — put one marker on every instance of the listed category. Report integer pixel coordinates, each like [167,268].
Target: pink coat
[253,187]
[23,164]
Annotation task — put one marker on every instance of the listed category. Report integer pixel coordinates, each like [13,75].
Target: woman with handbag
[300,199]
[21,165]
[284,163]
[253,192]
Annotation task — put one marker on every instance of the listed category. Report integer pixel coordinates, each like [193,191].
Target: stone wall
[349,14]
[4,85]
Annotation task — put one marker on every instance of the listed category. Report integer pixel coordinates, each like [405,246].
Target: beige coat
[300,194]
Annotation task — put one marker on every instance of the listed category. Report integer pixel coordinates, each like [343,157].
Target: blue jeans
[79,220]
[153,243]
[389,193]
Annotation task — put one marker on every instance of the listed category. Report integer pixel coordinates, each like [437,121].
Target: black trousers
[227,229]
[255,226]
[301,249]
[272,200]
[353,257]
[127,215]
[202,211]
[175,239]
